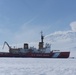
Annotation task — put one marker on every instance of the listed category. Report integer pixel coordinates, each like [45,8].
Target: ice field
[37,66]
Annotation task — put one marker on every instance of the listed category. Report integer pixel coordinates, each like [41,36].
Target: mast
[42,37]
[42,42]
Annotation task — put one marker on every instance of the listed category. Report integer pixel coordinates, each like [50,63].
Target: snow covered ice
[37,66]
[44,66]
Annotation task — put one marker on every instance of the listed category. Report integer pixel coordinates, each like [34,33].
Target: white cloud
[64,40]
[73,26]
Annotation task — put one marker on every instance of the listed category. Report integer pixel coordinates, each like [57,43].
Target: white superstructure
[28,49]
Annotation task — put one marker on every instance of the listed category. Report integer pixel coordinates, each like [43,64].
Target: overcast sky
[22,20]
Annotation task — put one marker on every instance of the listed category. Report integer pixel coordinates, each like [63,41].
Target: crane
[6,44]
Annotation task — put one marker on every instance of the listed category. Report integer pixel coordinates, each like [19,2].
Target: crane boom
[6,44]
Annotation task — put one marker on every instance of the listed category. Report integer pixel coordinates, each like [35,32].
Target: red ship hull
[37,55]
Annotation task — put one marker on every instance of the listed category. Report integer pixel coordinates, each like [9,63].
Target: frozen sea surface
[37,66]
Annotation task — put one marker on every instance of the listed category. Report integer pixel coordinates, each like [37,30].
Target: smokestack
[25,46]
